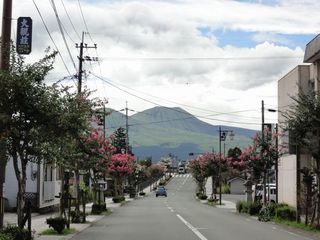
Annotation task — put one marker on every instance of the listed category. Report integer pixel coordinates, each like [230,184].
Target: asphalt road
[181,216]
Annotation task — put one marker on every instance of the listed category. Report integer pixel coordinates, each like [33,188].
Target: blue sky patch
[244,39]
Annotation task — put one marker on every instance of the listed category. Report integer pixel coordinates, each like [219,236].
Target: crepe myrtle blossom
[121,165]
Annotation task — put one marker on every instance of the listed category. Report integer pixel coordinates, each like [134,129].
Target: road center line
[192,228]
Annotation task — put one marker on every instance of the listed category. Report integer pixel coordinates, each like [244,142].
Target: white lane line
[170,208]
[192,228]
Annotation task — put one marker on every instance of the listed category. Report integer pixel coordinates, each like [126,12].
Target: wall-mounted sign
[24,35]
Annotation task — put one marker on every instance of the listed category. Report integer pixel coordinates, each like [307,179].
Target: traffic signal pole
[4,65]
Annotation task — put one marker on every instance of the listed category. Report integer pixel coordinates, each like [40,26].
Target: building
[42,186]
[305,77]
[236,185]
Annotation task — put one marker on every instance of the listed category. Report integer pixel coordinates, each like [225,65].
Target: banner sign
[24,35]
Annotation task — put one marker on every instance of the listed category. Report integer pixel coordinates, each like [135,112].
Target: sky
[217,59]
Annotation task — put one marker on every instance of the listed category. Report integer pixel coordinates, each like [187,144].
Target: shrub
[142,193]
[285,213]
[57,223]
[225,189]
[13,232]
[251,208]
[254,208]
[97,209]
[4,237]
[162,183]
[118,199]
[132,195]
[202,196]
[239,206]
[76,216]
[264,214]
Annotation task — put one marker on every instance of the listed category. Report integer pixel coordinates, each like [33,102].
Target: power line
[172,109]
[62,33]
[38,10]
[151,59]
[185,105]
[84,20]
[65,9]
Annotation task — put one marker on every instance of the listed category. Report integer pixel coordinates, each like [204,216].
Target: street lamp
[222,137]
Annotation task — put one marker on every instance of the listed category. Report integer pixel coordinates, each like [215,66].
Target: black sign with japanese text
[24,35]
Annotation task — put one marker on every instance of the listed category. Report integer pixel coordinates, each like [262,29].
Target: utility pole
[82,59]
[127,129]
[80,72]
[4,65]
[262,138]
[276,164]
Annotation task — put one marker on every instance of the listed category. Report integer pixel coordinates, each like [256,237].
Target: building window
[47,173]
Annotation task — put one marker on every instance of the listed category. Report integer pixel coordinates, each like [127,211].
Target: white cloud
[169,29]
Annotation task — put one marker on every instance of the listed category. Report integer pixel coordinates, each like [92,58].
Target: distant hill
[159,131]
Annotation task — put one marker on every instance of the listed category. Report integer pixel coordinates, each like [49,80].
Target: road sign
[24,35]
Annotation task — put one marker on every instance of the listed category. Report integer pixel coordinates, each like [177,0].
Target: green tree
[29,113]
[302,122]
[119,140]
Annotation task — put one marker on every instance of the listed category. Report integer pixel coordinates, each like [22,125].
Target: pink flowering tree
[119,167]
[98,150]
[200,172]
[260,157]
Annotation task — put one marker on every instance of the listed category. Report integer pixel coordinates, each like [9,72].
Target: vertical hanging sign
[24,35]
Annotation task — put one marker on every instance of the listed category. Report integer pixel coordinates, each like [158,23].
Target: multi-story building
[304,77]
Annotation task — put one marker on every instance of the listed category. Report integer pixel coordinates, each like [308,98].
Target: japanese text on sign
[24,35]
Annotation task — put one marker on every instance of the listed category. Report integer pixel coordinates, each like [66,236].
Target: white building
[43,184]
[305,77]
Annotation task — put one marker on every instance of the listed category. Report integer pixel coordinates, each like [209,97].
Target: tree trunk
[62,193]
[77,180]
[21,178]
[265,188]
[3,163]
[213,188]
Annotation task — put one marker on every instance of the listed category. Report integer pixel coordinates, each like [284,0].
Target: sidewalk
[38,223]
[225,203]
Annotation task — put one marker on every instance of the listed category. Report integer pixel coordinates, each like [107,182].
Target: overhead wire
[188,106]
[172,109]
[62,33]
[45,25]
[84,20]
[146,59]
[65,9]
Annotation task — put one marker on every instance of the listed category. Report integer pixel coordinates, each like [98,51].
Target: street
[181,216]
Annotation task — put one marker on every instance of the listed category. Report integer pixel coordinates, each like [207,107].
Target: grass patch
[294,224]
[53,232]
[107,212]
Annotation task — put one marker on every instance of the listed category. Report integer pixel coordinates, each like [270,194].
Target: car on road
[161,191]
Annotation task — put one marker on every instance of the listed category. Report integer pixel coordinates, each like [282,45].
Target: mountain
[159,131]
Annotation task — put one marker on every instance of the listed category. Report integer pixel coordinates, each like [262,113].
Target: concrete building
[305,77]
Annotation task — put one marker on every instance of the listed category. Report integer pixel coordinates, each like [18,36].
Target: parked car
[270,193]
[161,191]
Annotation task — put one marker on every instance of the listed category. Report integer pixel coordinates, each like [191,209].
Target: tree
[119,140]
[97,152]
[200,172]
[30,113]
[302,122]
[119,167]
[259,157]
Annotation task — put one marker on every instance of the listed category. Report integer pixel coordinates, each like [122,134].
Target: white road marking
[170,208]
[192,228]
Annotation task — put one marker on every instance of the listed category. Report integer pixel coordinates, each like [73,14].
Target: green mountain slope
[159,131]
